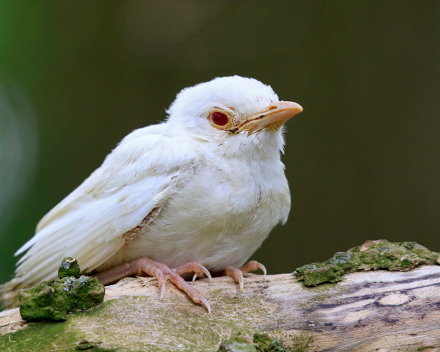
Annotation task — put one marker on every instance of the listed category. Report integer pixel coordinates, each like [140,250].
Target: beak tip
[299,108]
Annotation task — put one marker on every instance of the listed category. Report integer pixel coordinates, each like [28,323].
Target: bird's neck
[260,146]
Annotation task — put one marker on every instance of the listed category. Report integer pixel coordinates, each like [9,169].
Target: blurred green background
[363,159]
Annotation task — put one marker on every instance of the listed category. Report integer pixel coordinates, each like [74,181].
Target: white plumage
[183,190]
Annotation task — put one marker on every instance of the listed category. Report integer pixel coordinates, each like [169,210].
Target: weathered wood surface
[367,311]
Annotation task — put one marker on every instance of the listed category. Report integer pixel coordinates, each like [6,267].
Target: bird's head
[232,111]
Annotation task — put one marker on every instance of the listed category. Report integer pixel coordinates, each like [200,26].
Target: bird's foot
[193,267]
[237,274]
[146,266]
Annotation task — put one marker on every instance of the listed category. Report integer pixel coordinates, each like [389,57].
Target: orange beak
[274,116]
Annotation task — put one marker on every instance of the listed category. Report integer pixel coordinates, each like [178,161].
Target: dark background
[363,159]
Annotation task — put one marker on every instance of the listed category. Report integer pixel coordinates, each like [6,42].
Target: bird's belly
[209,224]
[215,244]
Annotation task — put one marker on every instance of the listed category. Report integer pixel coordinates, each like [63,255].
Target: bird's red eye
[219,119]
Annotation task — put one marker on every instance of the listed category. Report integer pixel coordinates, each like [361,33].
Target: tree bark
[367,311]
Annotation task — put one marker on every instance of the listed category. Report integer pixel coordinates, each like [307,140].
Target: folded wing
[138,176]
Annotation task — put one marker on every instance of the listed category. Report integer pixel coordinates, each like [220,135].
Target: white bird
[200,191]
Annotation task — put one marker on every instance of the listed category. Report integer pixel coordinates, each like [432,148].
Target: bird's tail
[9,293]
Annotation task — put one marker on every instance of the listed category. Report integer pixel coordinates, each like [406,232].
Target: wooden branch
[367,311]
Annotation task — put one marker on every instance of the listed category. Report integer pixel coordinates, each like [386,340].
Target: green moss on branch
[55,298]
[372,255]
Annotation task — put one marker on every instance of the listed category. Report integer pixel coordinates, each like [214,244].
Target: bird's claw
[237,274]
[252,266]
[206,272]
[205,302]
[198,269]
[263,268]
[240,280]
[162,290]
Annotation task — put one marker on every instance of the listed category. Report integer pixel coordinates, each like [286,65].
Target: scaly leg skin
[237,274]
[162,273]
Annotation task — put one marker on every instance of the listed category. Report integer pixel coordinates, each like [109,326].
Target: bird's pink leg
[237,274]
[161,272]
